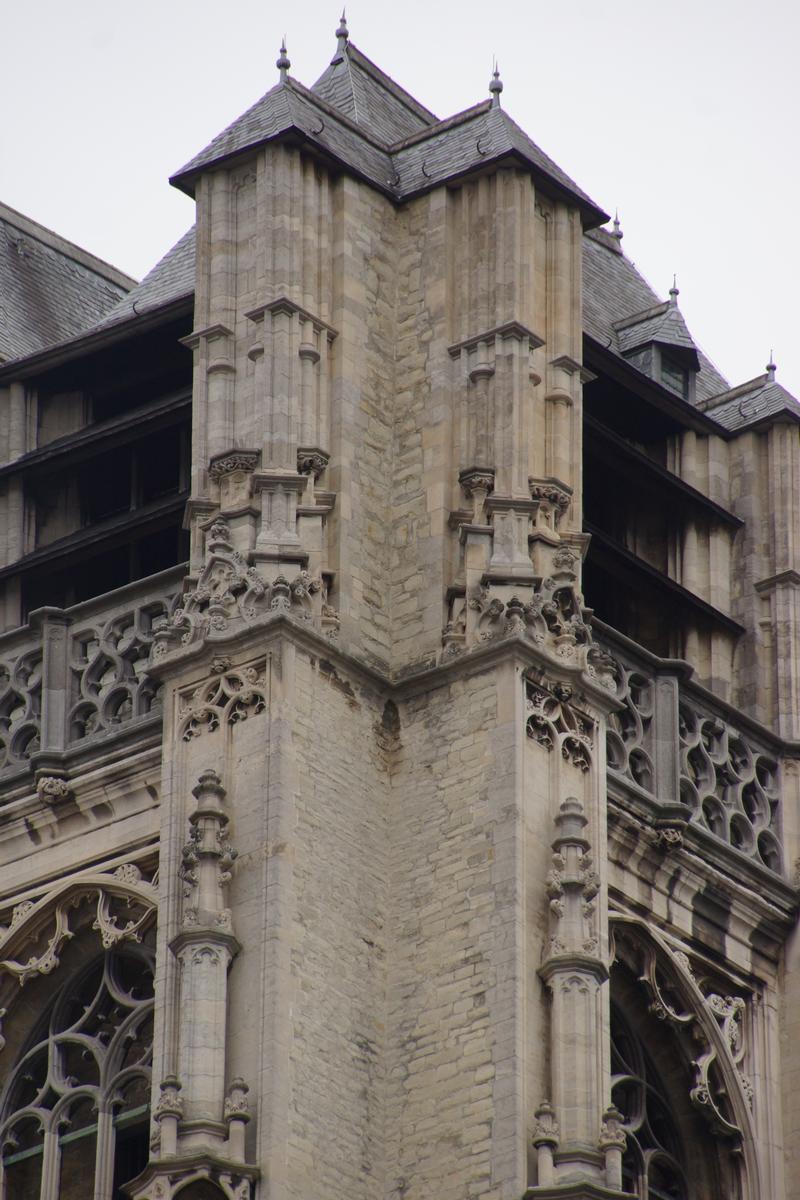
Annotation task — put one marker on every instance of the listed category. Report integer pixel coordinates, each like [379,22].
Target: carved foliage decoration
[233,695]
[711,1026]
[552,612]
[229,593]
[554,722]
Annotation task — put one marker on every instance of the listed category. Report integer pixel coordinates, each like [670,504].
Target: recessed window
[675,377]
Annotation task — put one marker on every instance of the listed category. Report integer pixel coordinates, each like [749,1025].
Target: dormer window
[674,376]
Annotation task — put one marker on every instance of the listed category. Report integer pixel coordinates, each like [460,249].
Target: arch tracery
[711,1031]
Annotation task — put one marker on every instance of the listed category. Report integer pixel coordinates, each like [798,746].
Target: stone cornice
[415,679]
[283,304]
[510,329]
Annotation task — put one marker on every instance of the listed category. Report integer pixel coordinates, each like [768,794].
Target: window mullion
[51,1165]
[104,1168]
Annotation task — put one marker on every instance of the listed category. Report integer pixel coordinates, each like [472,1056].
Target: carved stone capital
[312,461]
[477,479]
[545,1129]
[233,460]
[170,1102]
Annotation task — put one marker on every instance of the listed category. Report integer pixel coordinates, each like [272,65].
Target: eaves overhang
[19,369]
[602,360]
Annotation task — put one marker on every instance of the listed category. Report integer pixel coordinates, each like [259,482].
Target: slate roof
[170,279]
[613,290]
[50,289]
[664,324]
[752,403]
[363,119]
[363,92]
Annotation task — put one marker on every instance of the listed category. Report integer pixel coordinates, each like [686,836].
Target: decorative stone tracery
[230,697]
[710,1026]
[554,722]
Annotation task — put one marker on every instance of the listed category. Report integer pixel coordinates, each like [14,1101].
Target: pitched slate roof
[752,403]
[170,279]
[365,121]
[663,324]
[50,289]
[614,294]
[363,92]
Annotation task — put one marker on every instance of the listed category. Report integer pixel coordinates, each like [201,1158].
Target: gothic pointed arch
[679,1037]
[76,991]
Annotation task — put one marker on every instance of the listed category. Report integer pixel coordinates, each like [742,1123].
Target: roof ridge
[646,314]
[398,91]
[55,241]
[447,123]
[306,93]
[756,384]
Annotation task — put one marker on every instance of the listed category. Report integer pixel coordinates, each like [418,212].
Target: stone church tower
[429,835]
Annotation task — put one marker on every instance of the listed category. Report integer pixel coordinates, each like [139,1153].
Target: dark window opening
[674,377]
[96,573]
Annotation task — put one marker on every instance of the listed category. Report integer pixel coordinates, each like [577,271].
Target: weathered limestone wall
[365,269]
[455,1077]
[308,902]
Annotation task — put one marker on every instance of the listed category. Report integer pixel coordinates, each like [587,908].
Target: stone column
[205,947]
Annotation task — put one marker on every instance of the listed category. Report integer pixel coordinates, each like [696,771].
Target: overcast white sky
[681,113]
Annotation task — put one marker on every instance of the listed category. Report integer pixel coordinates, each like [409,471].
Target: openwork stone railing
[74,675]
[674,742]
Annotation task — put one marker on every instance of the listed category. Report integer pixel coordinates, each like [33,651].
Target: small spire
[771,369]
[283,63]
[616,231]
[674,292]
[342,34]
[495,86]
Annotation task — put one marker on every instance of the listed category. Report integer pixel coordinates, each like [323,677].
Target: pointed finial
[283,63]
[342,34]
[674,292]
[495,86]
[771,369]
[616,232]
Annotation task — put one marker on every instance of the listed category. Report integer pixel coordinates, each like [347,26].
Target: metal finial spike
[283,63]
[495,86]
[771,369]
[674,291]
[617,231]
[342,34]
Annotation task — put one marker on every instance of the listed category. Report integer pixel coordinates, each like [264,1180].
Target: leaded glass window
[653,1166]
[74,1111]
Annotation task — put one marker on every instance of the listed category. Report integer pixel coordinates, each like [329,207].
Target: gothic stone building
[399,693]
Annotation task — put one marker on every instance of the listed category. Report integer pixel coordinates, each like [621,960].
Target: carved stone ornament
[31,944]
[545,1129]
[551,615]
[710,1026]
[232,696]
[237,1106]
[477,479]
[572,885]
[553,721]
[233,460]
[312,461]
[170,1102]
[52,790]
[229,595]
[551,495]
[612,1133]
